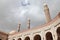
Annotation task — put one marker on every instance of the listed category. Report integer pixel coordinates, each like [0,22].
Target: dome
[12,32]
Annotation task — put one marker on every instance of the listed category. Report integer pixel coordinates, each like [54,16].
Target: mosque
[49,31]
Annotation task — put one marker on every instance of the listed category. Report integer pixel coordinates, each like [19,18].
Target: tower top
[28,24]
[19,27]
[28,19]
[45,4]
[47,13]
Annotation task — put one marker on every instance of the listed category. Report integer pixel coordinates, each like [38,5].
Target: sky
[13,12]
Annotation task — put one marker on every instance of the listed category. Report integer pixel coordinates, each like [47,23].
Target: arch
[27,38]
[58,33]
[49,36]
[37,37]
[19,39]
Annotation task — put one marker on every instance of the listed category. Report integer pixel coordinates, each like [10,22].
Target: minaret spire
[47,13]
[19,27]
[28,24]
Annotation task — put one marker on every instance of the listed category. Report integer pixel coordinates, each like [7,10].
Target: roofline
[3,32]
[44,25]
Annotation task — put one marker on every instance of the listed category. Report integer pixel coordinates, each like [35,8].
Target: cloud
[12,12]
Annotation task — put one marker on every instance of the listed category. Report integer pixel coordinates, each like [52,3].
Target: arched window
[58,33]
[37,37]
[27,38]
[49,36]
[19,39]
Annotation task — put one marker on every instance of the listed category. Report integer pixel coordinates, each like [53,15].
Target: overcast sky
[13,12]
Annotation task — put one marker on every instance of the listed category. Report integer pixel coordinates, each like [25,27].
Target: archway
[37,37]
[19,39]
[58,33]
[49,36]
[27,38]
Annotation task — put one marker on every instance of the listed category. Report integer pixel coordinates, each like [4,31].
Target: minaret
[28,23]
[19,27]
[47,13]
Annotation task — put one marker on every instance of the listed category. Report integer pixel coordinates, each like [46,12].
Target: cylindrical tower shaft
[47,13]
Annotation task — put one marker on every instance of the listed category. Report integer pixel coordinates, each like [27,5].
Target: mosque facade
[49,31]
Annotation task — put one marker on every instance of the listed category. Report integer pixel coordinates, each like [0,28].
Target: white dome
[12,32]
